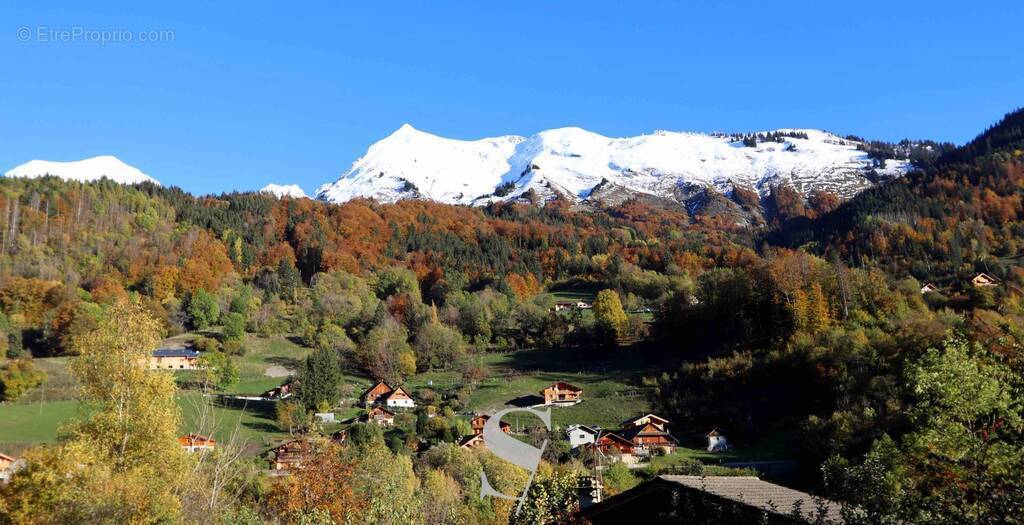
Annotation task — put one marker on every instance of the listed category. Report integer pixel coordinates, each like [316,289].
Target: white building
[717,442]
[581,435]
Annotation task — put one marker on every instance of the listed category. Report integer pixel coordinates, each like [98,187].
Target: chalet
[708,499]
[929,288]
[197,443]
[563,305]
[639,421]
[8,466]
[984,280]
[717,442]
[379,416]
[472,441]
[340,436]
[174,359]
[288,455]
[647,439]
[614,446]
[561,393]
[383,394]
[571,305]
[478,422]
[375,394]
[278,392]
[580,435]
[399,398]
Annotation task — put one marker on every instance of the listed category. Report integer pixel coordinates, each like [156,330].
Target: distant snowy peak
[411,163]
[85,170]
[572,162]
[284,190]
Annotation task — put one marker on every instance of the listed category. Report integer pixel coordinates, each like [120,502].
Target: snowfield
[572,162]
[85,170]
[284,190]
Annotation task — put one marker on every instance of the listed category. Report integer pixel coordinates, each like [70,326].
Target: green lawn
[611,391]
[611,386]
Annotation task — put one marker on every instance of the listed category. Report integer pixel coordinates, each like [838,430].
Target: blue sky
[251,93]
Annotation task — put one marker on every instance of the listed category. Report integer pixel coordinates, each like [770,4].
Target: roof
[634,420]
[585,428]
[769,497]
[472,440]
[6,457]
[615,437]
[395,392]
[175,352]
[374,387]
[562,385]
[195,438]
[632,432]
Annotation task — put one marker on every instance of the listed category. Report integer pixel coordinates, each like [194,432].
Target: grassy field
[611,382]
[611,391]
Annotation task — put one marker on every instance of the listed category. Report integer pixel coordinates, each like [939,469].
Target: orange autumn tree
[323,482]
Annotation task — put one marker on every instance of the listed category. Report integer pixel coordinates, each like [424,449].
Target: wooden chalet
[379,416]
[560,393]
[384,394]
[289,455]
[612,443]
[375,395]
[647,438]
[984,280]
[478,422]
[197,443]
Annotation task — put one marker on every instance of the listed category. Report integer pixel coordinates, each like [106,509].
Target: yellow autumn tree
[609,314]
[122,464]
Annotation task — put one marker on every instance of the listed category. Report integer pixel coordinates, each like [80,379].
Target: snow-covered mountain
[84,170]
[573,162]
[284,190]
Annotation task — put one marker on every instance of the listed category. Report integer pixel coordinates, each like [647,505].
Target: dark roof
[640,502]
[632,432]
[769,497]
[175,352]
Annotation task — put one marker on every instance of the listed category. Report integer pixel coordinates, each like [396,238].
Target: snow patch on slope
[84,170]
[284,190]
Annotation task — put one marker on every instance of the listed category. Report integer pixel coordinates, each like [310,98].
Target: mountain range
[571,163]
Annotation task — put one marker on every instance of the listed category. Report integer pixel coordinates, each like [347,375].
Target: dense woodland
[906,404]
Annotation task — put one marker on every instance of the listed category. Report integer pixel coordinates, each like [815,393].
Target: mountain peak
[85,170]
[573,161]
[284,190]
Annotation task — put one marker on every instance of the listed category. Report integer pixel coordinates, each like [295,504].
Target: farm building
[174,359]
